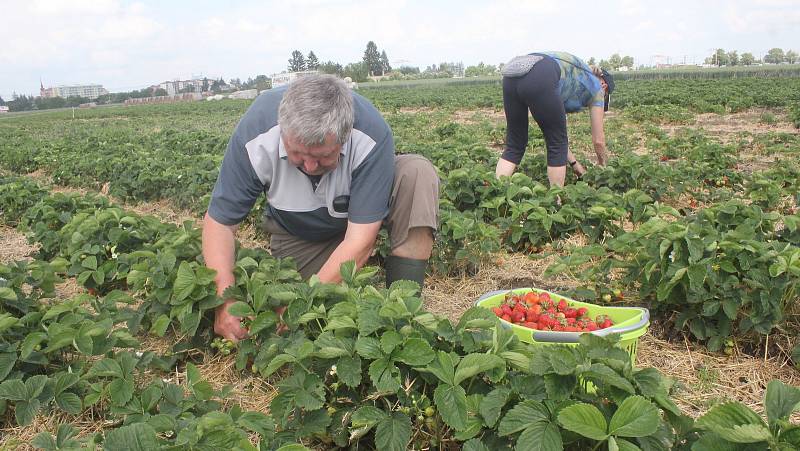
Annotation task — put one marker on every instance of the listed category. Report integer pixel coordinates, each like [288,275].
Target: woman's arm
[596,116]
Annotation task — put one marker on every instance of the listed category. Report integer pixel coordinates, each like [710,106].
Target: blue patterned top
[580,88]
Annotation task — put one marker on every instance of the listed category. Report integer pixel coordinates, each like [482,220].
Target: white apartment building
[88,91]
[176,86]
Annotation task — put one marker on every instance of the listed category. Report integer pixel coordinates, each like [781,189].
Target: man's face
[316,160]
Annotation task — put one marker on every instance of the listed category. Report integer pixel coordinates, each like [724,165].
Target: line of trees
[614,62]
[373,63]
[732,58]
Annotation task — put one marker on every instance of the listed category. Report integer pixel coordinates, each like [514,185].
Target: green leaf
[451,401]
[781,400]
[6,321]
[135,437]
[415,352]
[474,445]
[492,405]
[184,282]
[559,387]
[241,309]
[620,444]
[45,441]
[13,390]
[34,385]
[368,416]
[349,370]
[443,368]
[390,340]
[522,416]
[369,348]
[540,436]
[25,411]
[7,361]
[603,374]
[393,433]
[722,419]
[69,402]
[30,342]
[473,364]
[121,391]
[257,422]
[384,375]
[159,327]
[90,262]
[106,368]
[584,419]
[276,363]
[293,447]
[7,294]
[635,417]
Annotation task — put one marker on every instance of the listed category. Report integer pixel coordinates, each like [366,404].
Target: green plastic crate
[630,322]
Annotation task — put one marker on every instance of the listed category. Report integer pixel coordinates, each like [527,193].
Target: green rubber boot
[401,268]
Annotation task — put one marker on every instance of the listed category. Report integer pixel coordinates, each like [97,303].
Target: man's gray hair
[315,106]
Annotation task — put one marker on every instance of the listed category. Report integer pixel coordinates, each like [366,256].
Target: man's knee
[417,167]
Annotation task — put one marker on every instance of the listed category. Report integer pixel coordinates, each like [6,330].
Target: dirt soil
[730,127]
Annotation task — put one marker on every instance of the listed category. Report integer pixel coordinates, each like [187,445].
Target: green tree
[791,56]
[358,72]
[591,61]
[297,62]
[409,70]
[615,61]
[747,59]
[160,92]
[627,61]
[330,67]
[187,89]
[481,70]
[372,59]
[719,58]
[204,88]
[385,67]
[733,58]
[312,63]
[218,85]
[2,102]
[605,65]
[774,56]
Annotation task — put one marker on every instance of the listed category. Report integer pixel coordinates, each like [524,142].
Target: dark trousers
[538,92]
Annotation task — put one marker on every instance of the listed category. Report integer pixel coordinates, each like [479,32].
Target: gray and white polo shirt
[256,163]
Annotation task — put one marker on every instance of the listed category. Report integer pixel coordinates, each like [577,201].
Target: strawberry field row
[359,363]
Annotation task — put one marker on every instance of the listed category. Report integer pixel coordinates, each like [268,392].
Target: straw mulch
[14,246]
[704,378]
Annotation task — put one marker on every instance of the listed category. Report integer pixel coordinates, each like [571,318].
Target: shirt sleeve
[371,184]
[598,99]
[237,187]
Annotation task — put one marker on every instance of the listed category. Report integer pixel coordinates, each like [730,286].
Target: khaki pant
[414,203]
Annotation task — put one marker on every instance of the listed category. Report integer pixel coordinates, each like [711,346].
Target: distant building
[284,78]
[3,109]
[177,86]
[90,92]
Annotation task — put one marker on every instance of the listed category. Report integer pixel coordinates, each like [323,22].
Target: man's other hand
[227,325]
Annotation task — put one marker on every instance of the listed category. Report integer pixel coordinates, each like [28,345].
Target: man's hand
[227,325]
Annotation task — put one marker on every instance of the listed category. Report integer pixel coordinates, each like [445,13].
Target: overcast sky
[127,45]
